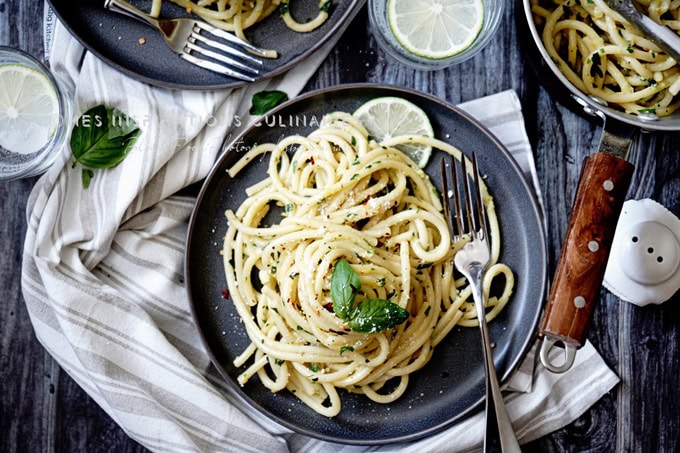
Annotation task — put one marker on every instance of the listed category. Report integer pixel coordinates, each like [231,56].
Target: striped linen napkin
[102,276]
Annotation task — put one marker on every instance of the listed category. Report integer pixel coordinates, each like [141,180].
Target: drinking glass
[35,115]
[377,14]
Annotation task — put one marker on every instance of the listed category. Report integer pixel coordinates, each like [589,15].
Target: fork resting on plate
[471,260]
[195,41]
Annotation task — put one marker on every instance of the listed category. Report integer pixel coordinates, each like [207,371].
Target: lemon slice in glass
[29,109]
[435,29]
[388,117]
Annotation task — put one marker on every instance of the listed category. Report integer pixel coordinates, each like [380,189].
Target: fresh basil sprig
[368,316]
[264,101]
[102,138]
[344,287]
[376,315]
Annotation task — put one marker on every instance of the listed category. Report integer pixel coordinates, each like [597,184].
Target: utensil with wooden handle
[602,188]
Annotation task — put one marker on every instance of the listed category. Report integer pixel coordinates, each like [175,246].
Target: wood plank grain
[23,363]
[43,409]
[19,26]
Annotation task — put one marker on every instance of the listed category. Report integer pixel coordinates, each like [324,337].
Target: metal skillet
[605,177]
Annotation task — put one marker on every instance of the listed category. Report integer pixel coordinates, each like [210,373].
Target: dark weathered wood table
[43,410]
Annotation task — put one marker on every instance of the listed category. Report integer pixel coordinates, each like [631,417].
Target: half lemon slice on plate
[388,117]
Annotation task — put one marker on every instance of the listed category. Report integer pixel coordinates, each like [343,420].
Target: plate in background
[114,38]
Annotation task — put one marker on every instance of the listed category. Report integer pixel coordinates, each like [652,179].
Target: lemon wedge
[29,109]
[388,117]
[435,29]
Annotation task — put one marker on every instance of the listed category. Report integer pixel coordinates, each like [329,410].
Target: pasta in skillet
[345,197]
[604,56]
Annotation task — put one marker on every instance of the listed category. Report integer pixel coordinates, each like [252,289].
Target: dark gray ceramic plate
[114,38]
[451,385]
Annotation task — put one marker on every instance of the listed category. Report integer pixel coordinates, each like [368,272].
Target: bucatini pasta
[606,57]
[343,196]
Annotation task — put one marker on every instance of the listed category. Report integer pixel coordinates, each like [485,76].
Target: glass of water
[434,34]
[35,114]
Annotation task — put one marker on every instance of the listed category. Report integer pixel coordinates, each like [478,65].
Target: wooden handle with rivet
[601,192]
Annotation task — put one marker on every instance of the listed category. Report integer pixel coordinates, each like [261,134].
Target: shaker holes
[650,250]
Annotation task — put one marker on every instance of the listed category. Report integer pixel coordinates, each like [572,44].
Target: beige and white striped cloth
[103,279]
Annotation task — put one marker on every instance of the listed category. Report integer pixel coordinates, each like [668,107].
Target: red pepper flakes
[225,294]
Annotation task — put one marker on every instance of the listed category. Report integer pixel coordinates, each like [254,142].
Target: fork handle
[499,433]
[123,7]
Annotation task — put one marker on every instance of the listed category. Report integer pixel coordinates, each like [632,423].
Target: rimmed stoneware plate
[114,38]
[451,385]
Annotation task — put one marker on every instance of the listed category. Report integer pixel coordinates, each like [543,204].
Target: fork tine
[451,190]
[445,193]
[219,57]
[481,215]
[469,219]
[213,66]
[228,37]
[456,197]
[448,173]
[195,36]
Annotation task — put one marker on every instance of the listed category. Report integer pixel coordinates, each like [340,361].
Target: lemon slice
[435,29]
[29,109]
[388,117]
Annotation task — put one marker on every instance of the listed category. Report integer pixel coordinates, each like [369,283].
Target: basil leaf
[86,177]
[120,124]
[88,130]
[370,316]
[377,315]
[264,101]
[103,137]
[344,286]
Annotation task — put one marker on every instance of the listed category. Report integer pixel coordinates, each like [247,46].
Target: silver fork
[194,41]
[471,261]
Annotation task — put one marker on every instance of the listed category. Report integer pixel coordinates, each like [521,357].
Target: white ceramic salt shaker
[644,262]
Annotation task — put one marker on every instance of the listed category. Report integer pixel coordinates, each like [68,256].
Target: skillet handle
[601,192]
